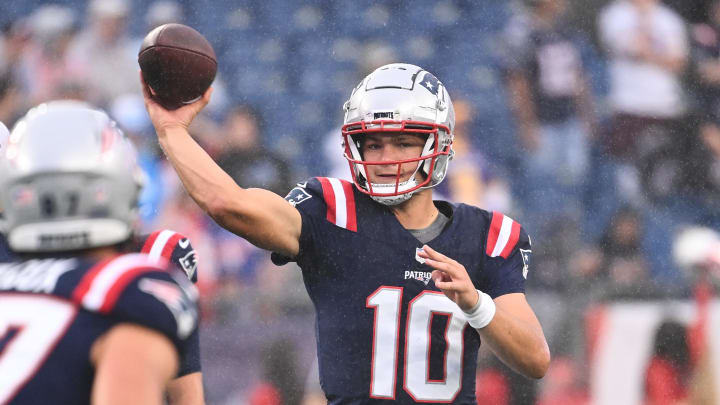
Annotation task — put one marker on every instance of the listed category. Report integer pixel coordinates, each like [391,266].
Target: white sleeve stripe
[160,243]
[95,296]
[340,202]
[503,236]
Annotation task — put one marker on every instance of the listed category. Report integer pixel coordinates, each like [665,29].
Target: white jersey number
[36,323]
[386,301]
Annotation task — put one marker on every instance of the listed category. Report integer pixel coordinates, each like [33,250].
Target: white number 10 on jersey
[417,383]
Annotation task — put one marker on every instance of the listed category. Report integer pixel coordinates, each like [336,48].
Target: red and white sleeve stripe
[340,200]
[161,244]
[502,236]
[101,287]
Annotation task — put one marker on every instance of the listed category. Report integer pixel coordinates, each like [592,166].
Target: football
[177,63]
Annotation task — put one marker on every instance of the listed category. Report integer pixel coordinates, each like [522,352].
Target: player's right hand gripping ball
[178,64]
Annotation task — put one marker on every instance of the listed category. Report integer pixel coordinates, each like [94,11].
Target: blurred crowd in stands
[596,124]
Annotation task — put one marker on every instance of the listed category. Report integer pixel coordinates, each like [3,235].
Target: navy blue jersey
[384,331]
[53,310]
[177,249]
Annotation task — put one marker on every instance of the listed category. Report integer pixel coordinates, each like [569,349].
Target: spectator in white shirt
[647,46]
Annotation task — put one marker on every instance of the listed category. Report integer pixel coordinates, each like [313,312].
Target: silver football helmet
[69,179]
[400,98]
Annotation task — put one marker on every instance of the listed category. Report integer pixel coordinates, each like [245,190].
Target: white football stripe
[340,203]
[102,283]
[503,236]
[160,243]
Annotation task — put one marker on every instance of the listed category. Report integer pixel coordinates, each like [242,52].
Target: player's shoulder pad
[137,288]
[326,196]
[174,247]
[504,236]
[102,285]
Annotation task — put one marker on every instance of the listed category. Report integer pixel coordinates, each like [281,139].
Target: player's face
[391,147]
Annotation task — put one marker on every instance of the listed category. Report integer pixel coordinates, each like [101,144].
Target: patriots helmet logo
[430,82]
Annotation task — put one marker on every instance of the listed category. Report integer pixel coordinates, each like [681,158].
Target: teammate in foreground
[80,322]
[404,287]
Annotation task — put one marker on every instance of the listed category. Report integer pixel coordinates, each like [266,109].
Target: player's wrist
[482,313]
[172,130]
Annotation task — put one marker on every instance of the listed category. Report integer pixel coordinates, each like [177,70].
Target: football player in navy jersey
[80,321]
[187,388]
[404,287]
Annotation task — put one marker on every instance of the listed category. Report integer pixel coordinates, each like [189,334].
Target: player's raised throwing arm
[260,216]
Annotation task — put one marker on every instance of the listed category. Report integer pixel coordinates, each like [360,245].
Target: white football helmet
[69,180]
[400,98]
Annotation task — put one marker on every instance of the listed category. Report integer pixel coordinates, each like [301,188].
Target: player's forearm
[186,390]
[518,344]
[260,216]
[202,178]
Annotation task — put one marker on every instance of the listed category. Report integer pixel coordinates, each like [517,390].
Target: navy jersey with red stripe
[384,331]
[177,249]
[53,310]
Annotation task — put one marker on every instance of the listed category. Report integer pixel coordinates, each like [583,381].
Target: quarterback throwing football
[404,287]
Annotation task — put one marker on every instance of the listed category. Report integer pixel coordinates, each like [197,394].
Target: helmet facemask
[435,153]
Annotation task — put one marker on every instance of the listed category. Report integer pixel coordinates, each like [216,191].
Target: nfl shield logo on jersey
[417,256]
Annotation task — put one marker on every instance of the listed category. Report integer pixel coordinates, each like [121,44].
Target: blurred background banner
[629,336]
[594,123]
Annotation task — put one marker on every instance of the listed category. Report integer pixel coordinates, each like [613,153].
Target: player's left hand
[451,278]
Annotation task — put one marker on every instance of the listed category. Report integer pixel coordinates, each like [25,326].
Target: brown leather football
[178,64]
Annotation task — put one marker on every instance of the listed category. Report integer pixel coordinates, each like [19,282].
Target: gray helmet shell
[69,180]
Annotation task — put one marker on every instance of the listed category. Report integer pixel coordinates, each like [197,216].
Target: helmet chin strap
[405,185]
[395,199]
